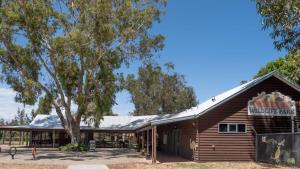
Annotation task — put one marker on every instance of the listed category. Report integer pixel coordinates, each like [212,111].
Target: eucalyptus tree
[283,17]
[21,118]
[289,66]
[68,53]
[154,91]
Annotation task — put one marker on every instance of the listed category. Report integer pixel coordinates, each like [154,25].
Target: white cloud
[8,106]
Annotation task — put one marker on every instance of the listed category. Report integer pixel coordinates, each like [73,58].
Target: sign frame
[273,104]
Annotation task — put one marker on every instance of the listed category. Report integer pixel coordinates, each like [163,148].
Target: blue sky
[214,43]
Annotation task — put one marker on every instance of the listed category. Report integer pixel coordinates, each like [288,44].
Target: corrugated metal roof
[46,121]
[136,122]
[107,123]
[219,99]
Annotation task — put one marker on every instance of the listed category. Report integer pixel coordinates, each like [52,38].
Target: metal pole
[22,142]
[53,138]
[143,143]
[30,138]
[147,154]
[27,139]
[293,134]
[256,146]
[154,144]
[293,124]
[10,137]
[4,134]
[20,132]
[152,141]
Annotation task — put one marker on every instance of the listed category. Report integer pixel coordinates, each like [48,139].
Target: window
[232,128]
[223,128]
[298,128]
[165,139]
[241,128]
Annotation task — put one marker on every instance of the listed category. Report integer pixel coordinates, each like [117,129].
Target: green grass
[193,166]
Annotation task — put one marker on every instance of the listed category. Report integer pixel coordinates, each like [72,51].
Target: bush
[74,147]
[291,161]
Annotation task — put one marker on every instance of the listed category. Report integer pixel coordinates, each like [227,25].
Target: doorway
[174,141]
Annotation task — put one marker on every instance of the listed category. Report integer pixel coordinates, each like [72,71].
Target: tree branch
[66,104]
[13,56]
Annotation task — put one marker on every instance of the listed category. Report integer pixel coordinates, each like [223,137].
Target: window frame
[222,131]
[298,128]
[228,130]
[232,124]
[237,127]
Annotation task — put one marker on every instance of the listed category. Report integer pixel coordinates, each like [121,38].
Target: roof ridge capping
[210,104]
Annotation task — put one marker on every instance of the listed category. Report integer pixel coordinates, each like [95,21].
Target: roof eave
[160,122]
[274,73]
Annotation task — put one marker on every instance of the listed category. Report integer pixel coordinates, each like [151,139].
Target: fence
[279,148]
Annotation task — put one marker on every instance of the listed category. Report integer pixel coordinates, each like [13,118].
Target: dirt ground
[114,158]
[191,165]
[53,156]
[31,166]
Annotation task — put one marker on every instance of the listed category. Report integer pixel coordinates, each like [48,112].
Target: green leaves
[44,105]
[283,17]
[63,52]
[156,92]
[289,66]
[21,118]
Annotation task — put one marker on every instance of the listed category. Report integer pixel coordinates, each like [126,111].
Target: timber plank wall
[187,136]
[241,146]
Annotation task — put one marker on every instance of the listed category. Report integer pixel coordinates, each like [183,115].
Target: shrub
[291,161]
[74,147]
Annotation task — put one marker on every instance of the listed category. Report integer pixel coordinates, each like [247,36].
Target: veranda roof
[107,123]
[136,122]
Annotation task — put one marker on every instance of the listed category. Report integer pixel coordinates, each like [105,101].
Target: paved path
[83,166]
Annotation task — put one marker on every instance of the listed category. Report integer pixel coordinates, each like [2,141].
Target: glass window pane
[223,128]
[232,127]
[242,128]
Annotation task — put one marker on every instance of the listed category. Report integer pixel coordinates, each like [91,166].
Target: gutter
[296,87]
[154,123]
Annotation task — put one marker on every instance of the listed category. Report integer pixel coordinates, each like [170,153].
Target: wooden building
[223,128]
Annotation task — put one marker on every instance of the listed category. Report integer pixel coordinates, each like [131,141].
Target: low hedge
[74,147]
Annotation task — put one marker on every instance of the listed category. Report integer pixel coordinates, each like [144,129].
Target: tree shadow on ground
[269,165]
[85,156]
[167,158]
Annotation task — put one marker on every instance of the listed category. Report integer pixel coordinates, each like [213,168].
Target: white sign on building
[273,104]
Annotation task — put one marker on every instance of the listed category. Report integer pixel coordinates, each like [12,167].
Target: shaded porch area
[152,144]
[169,158]
[46,138]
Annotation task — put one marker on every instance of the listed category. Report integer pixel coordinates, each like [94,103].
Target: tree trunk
[74,134]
